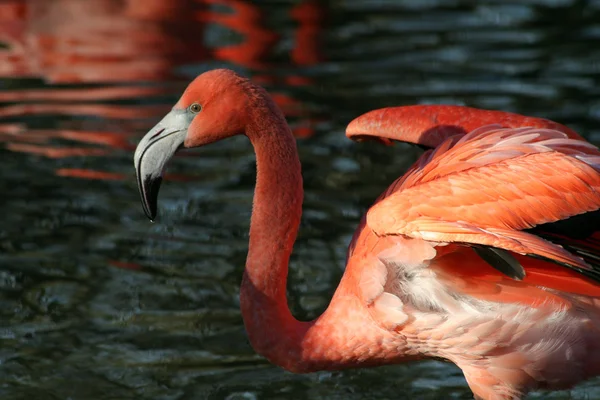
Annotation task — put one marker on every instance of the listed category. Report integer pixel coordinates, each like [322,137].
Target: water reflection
[93,293]
[134,50]
[69,41]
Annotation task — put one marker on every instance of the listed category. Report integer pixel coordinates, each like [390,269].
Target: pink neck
[338,338]
[277,209]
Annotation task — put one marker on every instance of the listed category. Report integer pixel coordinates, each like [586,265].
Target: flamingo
[486,253]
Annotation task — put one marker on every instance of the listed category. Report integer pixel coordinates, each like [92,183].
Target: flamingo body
[485,253]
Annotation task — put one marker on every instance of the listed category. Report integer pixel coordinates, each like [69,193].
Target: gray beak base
[152,154]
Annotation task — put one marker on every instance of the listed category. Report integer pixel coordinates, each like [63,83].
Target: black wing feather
[502,260]
[579,235]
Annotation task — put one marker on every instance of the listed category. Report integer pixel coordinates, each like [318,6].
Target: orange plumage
[485,253]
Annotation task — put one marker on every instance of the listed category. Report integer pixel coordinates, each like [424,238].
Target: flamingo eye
[195,108]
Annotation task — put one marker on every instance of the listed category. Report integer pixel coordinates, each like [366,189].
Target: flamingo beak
[153,153]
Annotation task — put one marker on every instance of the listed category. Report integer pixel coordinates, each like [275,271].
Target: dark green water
[98,303]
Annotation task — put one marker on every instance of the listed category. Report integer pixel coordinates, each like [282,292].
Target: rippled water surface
[98,303]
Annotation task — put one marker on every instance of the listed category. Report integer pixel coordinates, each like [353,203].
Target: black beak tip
[149,194]
[151,215]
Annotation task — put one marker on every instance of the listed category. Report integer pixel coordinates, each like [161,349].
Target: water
[98,303]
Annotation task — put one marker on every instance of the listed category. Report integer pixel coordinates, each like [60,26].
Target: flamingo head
[213,107]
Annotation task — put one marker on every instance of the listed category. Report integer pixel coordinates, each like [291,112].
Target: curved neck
[277,209]
[339,337]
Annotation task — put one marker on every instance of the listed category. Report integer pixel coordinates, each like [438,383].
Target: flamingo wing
[429,125]
[504,189]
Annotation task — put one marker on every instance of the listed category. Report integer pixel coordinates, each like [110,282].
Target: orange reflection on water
[246,19]
[90,174]
[92,41]
[77,109]
[84,173]
[56,152]
[111,139]
[71,41]
[132,48]
[88,94]
[310,17]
